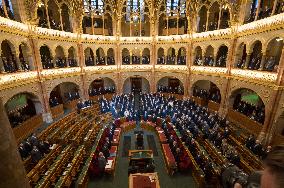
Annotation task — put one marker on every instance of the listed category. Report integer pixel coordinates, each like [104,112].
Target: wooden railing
[26,128]
[108,96]
[246,123]
[213,106]
[199,101]
[71,105]
[57,111]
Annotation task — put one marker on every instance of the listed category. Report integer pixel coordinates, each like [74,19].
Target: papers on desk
[160,131]
[46,173]
[112,154]
[109,164]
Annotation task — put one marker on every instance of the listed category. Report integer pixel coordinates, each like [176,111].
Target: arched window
[134,10]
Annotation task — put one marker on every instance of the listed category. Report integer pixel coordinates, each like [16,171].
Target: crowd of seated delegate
[59,62]
[10,65]
[253,112]
[209,61]
[256,147]
[100,61]
[20,115]
[136,59]
[70,96]
[269,64]
[169,89]
[170,60]
[207,95]
[33,147]
[101,91]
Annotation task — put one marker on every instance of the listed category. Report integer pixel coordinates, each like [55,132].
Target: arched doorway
[213,16]
[8,57]
[198,56]
[136,84]
[64,93]
[256,55]
[181,59]
[136,56]
[100,57]
[60,60]
[25,57]
[161,56]
[110,57]
[65,18]
[202,19]
[102,86]
[207,91]
[171,56]
[89,57]
[241,56]
[22,107]
[170,85]
[125,56]
[222,56]
[46,58]
[72,57]
[273,54]
[249,103]
[209,56]
[146,56]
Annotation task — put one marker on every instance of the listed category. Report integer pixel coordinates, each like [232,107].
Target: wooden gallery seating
[57,111]
[26,128]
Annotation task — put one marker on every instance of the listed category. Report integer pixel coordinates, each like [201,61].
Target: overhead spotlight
[279,39]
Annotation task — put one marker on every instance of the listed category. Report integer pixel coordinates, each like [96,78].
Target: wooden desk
[57,111]
[144,180]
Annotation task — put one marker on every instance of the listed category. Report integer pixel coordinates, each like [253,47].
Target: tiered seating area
[71,137]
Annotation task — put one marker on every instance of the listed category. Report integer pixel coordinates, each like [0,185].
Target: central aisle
[120,180]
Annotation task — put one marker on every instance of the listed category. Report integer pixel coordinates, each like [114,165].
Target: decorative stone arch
[207,52]
[12,46]
[180,76]
[125,75]
[251,45]
[51,84]
[91,78]
[39,106]
[33,89]
[158,80]
[263,93]
[52,53]
[59,47]
[219,82]
[148,83]
[103,78]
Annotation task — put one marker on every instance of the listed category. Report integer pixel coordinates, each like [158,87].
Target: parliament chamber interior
[142,93]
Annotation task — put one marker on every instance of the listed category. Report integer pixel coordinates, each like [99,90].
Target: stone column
[130,54]
[207,19]
[263,58]
[47,14]
[247,60]
[19,65]
[11,165]
[274,7]
[2,70]
[219,18]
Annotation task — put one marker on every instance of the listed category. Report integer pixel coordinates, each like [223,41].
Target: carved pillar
[274,7]
[167,26]
[247,60]
[19,65]
[263,58]
[215,60]
[130,54]
[14,174]
[47,14]
[85,87]
[207,19]
[2,70]
[219,18]
[60,16]
[203,57]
